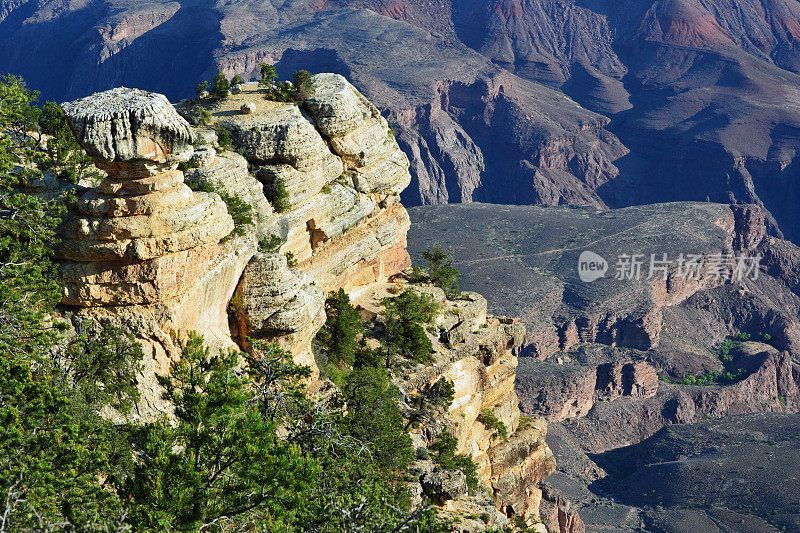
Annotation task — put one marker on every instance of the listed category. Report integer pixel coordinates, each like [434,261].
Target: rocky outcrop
[444,485]
[314,190]
[561,390]
[474,350]
[141,236]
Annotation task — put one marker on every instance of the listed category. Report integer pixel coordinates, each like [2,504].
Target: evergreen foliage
[268,74]
[63,155]
[491,422]
[445,457]
[279,196]
[201,87]
[442,272]
[237,80]
[405,335]
[222,465]
[270,244]
[240,211]
[339,337]
[223,136]
[244,450]
[220,86]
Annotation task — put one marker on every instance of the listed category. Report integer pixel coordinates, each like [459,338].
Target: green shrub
[422,454]
[224,138]
[491,422]
[220,86]
[279,196]
[267,72]
[445,457]
[405,335]
[201,87]
[270,244]
[302,80]
[442,272]
[283,91]
[291,262]
[373,416]
[240,211]
[64,157]
[338,338]
[204,117]
[237,80]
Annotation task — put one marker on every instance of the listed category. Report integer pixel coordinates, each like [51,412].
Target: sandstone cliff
[159,246]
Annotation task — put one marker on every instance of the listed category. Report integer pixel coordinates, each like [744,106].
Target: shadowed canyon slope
[614,361]
[702,96]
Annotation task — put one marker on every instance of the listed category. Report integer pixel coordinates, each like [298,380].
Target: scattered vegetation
[492,423]
[342,330]
[302,81]
[268,75]
[446,458]
[270,244]
[220,87]
[730,374]
[204,117]
[244,449]
[406,315]
[63,155]
[224,138]
[240,211]
[278,196]
[202,87]
[291,261]
[441,272]
[285,91]
[433,399]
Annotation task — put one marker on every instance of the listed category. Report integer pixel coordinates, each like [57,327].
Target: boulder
[127,124]
[444,485]
[248,109]
[202,157]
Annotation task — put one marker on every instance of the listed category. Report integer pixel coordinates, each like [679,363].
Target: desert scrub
[446,458]
[291,261]
[223,136]
[492,423]
[240,211]
[270,244]
[204,117]
[279,196]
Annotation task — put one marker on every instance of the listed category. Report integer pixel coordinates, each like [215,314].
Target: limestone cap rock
[125,124]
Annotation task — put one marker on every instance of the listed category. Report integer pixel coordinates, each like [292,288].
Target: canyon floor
[608,362]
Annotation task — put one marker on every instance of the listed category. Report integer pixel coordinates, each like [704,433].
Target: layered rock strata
[322,181]
[474,350]
[141,236]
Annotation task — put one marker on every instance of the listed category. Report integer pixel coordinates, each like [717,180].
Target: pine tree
[220,86]
[405,334]
[443,274]
[338,338]
[222,464]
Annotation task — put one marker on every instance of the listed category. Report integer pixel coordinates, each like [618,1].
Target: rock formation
[320,185]
[141,236]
